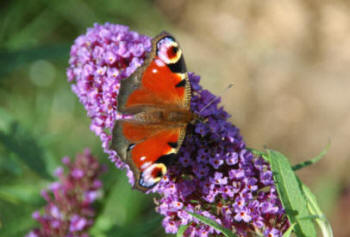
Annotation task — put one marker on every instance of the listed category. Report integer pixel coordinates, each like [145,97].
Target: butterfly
[157,97]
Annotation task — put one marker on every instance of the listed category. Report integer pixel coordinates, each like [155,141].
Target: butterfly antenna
[213,100]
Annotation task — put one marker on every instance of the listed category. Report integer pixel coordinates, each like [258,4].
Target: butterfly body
[156,99]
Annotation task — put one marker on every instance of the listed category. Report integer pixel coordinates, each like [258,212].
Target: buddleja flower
[69,209]
[217,177]
[98,61]
[214,175]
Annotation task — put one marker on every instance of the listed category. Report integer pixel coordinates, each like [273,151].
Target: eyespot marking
[172,52]
[145,165]
[152,175]
[159,63]
[157,172]
[168,50]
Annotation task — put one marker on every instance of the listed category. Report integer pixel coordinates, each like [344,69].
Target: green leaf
[181,230]
[315,210]
[226,232]
[13,60]
[21,143]
[313,160]
[21,193]
[290,193]
[138,228]
[258,153]
[16,219]
[289,230]
[121,208]
[9,198]
[9,166]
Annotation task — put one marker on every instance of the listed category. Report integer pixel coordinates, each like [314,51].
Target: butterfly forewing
[162,80]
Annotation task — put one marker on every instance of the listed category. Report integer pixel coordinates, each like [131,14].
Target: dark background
[288,60]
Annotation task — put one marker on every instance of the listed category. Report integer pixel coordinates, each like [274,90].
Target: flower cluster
[69,209]
[215,175]
[98,61]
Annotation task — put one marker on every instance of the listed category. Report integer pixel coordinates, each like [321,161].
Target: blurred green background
[288,61]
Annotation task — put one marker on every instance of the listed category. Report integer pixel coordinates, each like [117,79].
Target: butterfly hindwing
[147,149]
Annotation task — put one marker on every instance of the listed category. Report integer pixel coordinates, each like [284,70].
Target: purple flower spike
[69,209]
[214,175]
[99,60]
[237,188]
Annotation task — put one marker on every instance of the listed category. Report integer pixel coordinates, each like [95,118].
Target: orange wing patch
[152,142]
[158,87]
[149,151]
[137,132]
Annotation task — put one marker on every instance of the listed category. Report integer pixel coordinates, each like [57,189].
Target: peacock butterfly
[157,96]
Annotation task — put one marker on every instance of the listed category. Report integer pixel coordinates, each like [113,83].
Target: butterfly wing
[161,82]
[147,149]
